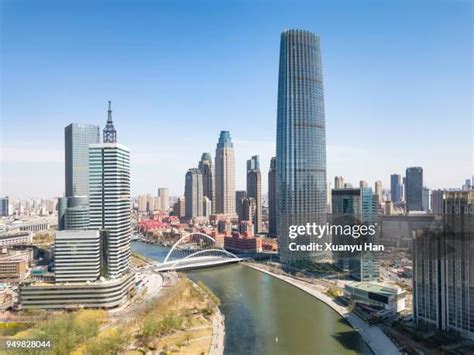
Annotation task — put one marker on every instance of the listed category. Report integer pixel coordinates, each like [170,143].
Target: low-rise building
[243,244]
[389,298]
[16,238]
[100,294]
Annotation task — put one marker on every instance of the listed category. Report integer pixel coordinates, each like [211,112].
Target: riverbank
[375,338]
[218,334]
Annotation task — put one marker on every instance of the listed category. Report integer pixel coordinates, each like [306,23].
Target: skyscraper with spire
[109,188]
[110,134]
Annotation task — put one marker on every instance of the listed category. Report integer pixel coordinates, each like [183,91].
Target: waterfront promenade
[218,334]
[375,338]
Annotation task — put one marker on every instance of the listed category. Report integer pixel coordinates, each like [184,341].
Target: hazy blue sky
[397,76]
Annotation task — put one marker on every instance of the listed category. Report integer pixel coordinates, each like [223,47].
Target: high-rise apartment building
[395,188]
[379,191]
[164,197]
[142,203]
[414,189]
[301,142]
[109,203]
[254,190]
[193,194]
[180,207]
[207,170]
[225,175]
[443,268]
[272,223]
[77,137]
[338,182]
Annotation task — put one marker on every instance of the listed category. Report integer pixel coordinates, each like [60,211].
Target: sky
[397,81]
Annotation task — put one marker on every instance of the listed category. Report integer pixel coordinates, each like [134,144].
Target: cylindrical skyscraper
[301,142]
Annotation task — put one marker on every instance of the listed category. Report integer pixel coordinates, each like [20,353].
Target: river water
[264,315]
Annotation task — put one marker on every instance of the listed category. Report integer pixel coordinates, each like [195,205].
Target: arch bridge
[196,250]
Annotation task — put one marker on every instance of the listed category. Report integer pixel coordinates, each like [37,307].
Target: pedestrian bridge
[194,251]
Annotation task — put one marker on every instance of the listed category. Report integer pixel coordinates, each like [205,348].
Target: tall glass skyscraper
[414,189]
[207,170]
[301,141]
[77,137]
[225,175]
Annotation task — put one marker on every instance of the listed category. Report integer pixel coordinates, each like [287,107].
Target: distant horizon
[395,96]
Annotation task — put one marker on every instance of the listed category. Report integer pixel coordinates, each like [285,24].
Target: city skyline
[160,131]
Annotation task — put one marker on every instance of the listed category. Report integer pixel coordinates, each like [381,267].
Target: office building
[414,189]
[239,203]
[395,188]
[109,202]
[380,296]
[77,137]
[164,197]
[4,206]
[225,175]
[437,201]
[193,194]
[363,183]
[100,294]
[301,142]
[76,215]
[356,206]
[254,190]
[207,170]
[77,256]
[272,223]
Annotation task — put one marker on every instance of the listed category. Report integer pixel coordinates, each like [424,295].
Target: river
[264,315]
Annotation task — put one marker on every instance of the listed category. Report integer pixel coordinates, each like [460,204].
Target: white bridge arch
[195,250]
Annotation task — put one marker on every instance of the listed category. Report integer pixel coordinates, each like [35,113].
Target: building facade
[164,197]
[272,192]
[207,170]
[109,203]
[77,137]
[77,256]
[301,142]
[395,188]
[193,194]
[225,175]
[443,268]
[254,190]
[414,189]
